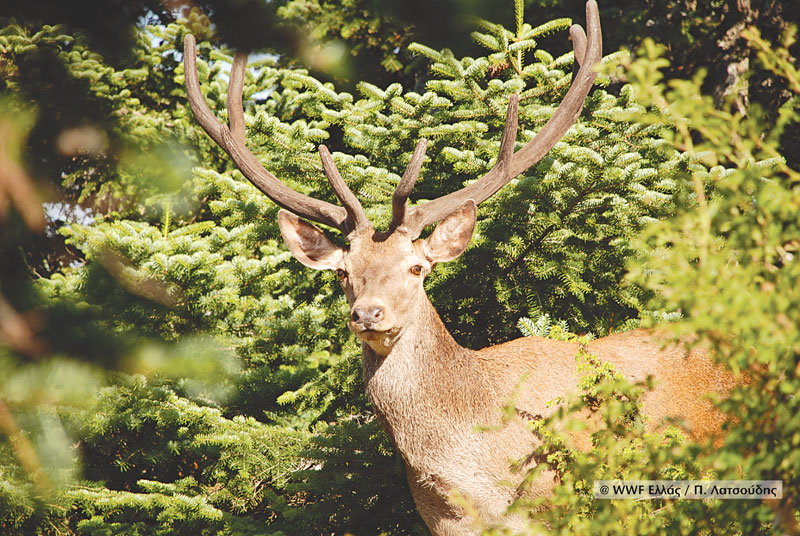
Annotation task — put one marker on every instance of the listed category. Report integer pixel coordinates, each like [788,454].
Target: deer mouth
[372,332]
[370,326]
[367,329]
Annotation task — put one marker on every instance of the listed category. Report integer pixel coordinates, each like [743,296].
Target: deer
[429,393]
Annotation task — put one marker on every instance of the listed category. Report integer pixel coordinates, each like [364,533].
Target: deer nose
[367,316]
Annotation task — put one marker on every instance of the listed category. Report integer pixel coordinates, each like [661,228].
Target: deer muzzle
[367,317]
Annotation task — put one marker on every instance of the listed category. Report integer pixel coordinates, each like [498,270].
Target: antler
[588,51]
[406,184]
[350,218]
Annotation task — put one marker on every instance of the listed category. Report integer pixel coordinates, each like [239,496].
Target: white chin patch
[380,341]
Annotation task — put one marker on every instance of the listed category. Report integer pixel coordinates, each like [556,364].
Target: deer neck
[416,388]
[423,347]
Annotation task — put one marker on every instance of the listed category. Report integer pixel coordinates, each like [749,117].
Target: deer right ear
[308,244]
[451,237]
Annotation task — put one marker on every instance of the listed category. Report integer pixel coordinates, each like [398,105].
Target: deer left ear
[451,237]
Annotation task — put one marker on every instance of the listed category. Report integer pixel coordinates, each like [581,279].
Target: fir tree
[235,403]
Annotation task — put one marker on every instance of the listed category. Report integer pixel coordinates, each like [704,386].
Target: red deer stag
[428,392]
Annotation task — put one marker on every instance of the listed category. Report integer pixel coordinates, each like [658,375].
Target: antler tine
[406,184]
[234,99]
[588,51]
[231,140]
[578,38]
[570,108]
[497,177]
[357,220]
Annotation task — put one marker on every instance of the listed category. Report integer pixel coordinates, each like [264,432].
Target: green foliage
[235,405]
[726,263]
[544,327]
[735,248]
[358,486]
[372,37]
[125,106]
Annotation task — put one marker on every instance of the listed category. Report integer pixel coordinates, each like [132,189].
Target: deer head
[382,272]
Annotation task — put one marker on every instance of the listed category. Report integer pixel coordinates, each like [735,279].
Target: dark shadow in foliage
[355,483]
[108,24]
[258,388]
[481,296]
[64,327]
[708,35]
[63,101]
[141,438]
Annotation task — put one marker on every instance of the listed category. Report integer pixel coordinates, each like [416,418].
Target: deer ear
[308,244]
[451,237]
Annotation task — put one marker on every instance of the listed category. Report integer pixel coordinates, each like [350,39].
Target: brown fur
[431,395]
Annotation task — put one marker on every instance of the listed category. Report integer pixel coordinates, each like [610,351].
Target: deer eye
[416,269]
[342,274]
